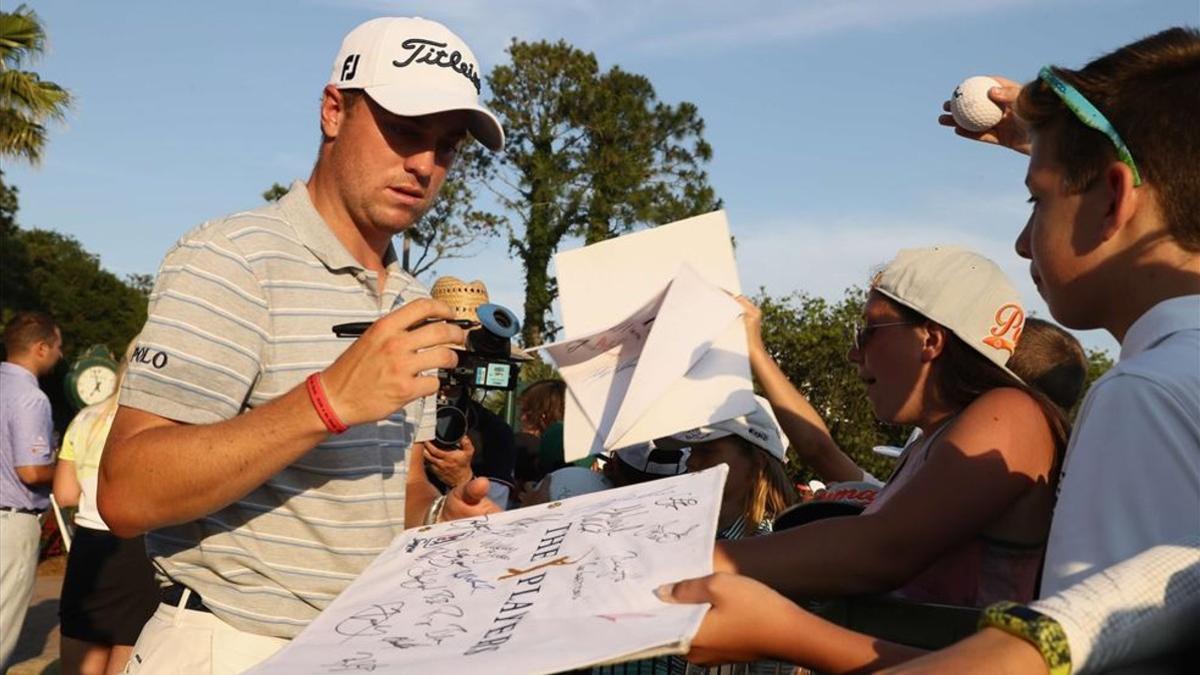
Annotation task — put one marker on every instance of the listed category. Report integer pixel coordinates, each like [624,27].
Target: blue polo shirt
[26,437]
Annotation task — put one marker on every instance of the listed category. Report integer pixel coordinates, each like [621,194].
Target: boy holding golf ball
[1114,243]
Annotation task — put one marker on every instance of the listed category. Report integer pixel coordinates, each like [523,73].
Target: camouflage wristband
[1039,630]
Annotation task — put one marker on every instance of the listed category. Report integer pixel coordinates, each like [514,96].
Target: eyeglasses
[1091,116]
[861,333]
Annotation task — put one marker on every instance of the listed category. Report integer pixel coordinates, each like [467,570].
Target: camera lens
[449,428]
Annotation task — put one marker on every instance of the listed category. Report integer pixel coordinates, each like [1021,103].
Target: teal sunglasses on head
[1091,116]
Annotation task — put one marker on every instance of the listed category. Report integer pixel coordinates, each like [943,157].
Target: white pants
[20,535]
[188,642]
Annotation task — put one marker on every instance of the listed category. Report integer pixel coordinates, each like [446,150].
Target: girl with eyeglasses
[964,517]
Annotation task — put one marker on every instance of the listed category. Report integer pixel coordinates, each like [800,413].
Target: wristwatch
[1039,630]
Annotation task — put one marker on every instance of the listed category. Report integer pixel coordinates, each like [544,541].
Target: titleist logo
[434,54]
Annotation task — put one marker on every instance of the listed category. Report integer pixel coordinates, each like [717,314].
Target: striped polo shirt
[240,314]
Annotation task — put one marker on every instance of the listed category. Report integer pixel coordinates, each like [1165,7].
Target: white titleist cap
[413,67]
[759,427]
[963,291]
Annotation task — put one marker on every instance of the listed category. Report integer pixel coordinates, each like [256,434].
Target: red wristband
[316,394]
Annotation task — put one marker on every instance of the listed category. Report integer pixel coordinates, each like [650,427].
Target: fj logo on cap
[434,54]
[1010,319]
[350,67]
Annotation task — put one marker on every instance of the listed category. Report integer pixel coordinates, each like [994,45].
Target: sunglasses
[1090,116]
[860,333]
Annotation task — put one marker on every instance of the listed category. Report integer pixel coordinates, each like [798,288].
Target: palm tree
[26,102]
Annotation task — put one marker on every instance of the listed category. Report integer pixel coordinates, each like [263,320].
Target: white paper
[678,362]
[601,284]
[543,589]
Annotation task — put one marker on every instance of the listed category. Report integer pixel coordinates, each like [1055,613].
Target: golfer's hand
[393,363]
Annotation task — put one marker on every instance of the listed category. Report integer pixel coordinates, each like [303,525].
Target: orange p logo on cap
[1010,319]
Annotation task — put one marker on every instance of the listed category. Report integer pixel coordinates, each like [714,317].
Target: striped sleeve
[201,348]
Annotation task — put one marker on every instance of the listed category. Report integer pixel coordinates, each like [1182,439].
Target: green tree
[588,153]
[809,337]
[26,101]
[275,192]
[90,304]
[1099,362]
[51,272]
[142,283]
[14,288]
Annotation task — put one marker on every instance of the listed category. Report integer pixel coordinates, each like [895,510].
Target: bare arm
[34,475]
[157,472]
[990,649]
[419,493]
[1000,446]
[748,621]
[66,484]
[801,423]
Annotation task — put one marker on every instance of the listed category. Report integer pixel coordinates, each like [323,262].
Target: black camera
[486,363]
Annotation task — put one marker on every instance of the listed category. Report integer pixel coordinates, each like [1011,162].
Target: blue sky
[822,115]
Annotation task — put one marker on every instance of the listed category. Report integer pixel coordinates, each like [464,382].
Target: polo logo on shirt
[153,357]
[762,436]
[1006,332]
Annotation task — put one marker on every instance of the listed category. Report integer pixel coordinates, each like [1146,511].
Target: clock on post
[92,378]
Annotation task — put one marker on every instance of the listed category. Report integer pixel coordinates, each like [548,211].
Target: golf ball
[971,107]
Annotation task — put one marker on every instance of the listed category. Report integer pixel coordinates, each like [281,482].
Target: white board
[543,589]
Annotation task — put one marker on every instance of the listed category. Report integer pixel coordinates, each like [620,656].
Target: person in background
[33,346]
[1052,361]
[1047,358]
[758,486]
[108,592]
[933,360]
[540,405]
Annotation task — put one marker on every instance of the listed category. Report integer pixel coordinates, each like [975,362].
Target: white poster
[537,590]
[602,285]
[676,363]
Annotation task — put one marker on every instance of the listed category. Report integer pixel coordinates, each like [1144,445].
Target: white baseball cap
[413,67]
[961,290]
[759,427]
[650,459]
